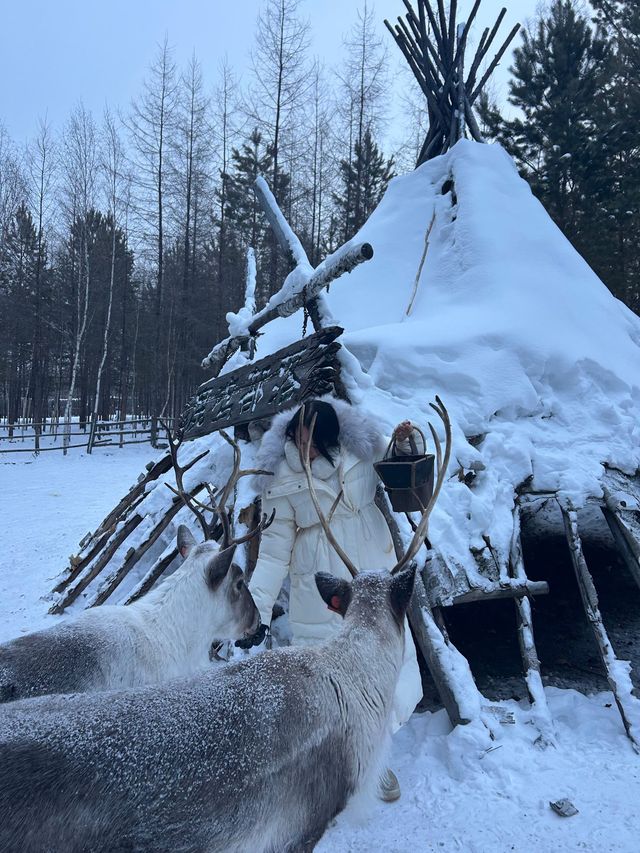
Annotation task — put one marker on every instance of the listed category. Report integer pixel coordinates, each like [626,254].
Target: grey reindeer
[166,633]
[256,756]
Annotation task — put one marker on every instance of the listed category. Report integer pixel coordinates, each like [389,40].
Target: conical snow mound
[538,364]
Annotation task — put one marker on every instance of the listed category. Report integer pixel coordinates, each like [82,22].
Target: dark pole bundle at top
[434,49]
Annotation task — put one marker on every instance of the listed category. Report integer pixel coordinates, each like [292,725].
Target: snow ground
[461,790]
[47,504]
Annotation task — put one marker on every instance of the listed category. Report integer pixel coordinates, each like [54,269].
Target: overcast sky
[54,53]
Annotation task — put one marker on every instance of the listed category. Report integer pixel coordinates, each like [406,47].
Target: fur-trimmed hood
[359,434]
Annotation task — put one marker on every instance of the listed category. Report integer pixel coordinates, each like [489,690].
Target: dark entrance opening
[485,632]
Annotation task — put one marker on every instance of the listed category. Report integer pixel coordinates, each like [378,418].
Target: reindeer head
[234,613]
[372,597]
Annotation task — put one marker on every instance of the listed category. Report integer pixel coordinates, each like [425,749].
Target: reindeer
[168,632]
[258,755]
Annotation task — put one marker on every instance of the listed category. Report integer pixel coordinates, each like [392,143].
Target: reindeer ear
[185,541]
[218,567]
[336,593]
[401,590]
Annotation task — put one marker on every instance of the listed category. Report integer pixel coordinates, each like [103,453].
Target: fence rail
[106,434]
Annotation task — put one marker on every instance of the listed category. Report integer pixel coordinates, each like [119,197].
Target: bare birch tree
[364,84]
[225,132]
[112,169]
[152,127]
[276,98]
[80,166]
[40,167]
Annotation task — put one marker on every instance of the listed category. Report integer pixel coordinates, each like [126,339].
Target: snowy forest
[124,236]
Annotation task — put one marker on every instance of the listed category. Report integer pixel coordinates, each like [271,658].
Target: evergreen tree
[572,137]
[619,120]
[364,179]
[246,223]
[557,74]
[19,255]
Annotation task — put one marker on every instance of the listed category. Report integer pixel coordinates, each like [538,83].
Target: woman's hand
[403,430]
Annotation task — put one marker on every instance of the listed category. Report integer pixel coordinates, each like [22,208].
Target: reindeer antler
[217,505]
[306,464]
[442,464]
[421,529]
[175,442]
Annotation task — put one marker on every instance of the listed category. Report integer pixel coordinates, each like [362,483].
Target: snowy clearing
[461,791]
[48,504]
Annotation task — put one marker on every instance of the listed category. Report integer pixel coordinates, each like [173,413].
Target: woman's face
[302,440]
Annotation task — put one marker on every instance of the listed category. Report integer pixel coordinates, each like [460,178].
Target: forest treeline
[123,237]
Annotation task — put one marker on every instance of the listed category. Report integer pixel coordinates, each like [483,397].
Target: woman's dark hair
[326,430]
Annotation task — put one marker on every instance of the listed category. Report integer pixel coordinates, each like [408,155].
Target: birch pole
[112,166]
[80,167]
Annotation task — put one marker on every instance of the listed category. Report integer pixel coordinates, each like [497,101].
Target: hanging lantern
[407,478]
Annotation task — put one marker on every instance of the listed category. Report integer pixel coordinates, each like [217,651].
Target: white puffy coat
[296,544]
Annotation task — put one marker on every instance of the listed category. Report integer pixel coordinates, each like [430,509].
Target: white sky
[54,53]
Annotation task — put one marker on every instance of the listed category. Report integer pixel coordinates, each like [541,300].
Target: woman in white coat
[346,443]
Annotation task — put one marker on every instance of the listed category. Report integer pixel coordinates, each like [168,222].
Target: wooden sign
[308,368]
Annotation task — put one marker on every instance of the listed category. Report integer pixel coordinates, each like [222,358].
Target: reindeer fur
[166,633]
[256,756]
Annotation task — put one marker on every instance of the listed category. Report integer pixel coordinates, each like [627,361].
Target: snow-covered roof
[510,326]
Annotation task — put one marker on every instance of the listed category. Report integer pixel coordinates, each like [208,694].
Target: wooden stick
[627,542]
[422,61]
[472,124]
[514,589]
[483,49]
[422,6]
[453,8]
[153,576]
[124,505]
[528,651]
[618,678]
[107,553]
[493,64]
[429,95]
[420,619]
[420,265]
[133,556]
[445,35]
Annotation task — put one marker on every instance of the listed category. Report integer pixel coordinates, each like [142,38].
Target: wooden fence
[51,432]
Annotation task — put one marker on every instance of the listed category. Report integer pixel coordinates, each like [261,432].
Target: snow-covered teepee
[472,293]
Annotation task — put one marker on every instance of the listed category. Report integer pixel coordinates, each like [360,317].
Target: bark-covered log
[617,671]
[526,642]
[342,261]
[153,575]
[492,592]
[434,647]
[94,570]
[134,555]
[284,233]
[93,544]
[625,529]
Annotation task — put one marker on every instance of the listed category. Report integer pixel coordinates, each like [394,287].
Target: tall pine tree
[619,108]
[364,179]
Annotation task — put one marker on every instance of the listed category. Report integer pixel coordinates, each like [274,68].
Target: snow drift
[538,364]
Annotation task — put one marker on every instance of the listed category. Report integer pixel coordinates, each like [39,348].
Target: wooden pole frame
[436,60]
